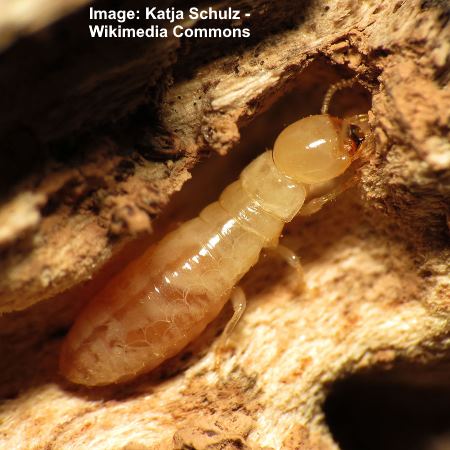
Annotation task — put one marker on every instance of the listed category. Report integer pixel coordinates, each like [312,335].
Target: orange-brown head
[317,148]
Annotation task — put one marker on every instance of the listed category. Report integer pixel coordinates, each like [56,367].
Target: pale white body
[164,299]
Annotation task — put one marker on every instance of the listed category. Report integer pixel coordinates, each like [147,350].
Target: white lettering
[96,30]
[109,31]
[193,13]
[171,14]
[114,19]
[120,16]
[211,13]
[178,31]
[150,13]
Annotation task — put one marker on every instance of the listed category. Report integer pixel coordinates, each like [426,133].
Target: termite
[164,299]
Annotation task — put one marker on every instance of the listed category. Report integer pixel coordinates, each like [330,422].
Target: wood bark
[100,146]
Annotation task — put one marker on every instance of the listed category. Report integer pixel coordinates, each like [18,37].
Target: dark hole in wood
[373,413]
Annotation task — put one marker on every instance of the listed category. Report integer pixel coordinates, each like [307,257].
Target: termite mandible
[165,298]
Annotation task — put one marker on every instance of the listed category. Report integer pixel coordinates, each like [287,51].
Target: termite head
[319,148]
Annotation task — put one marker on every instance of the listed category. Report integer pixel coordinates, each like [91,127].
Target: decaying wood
[376,261]
[99,188]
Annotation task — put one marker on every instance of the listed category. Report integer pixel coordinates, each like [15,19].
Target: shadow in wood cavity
[398,411]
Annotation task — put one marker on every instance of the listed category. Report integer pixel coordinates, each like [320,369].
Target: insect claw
[239,303]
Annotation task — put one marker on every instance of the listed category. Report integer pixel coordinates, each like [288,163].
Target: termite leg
[317,203]
[294,261]
[239,303]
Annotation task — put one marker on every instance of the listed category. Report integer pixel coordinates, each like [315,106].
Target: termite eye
[356,134]
[311,150]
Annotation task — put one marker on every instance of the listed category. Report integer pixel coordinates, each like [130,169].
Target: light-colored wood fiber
[376,261]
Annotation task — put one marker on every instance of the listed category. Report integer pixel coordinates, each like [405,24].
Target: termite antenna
[334,88]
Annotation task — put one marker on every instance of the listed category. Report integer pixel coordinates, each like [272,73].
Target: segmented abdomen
[164,299]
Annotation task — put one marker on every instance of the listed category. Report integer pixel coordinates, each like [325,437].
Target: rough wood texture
[376,264]
[97,190]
